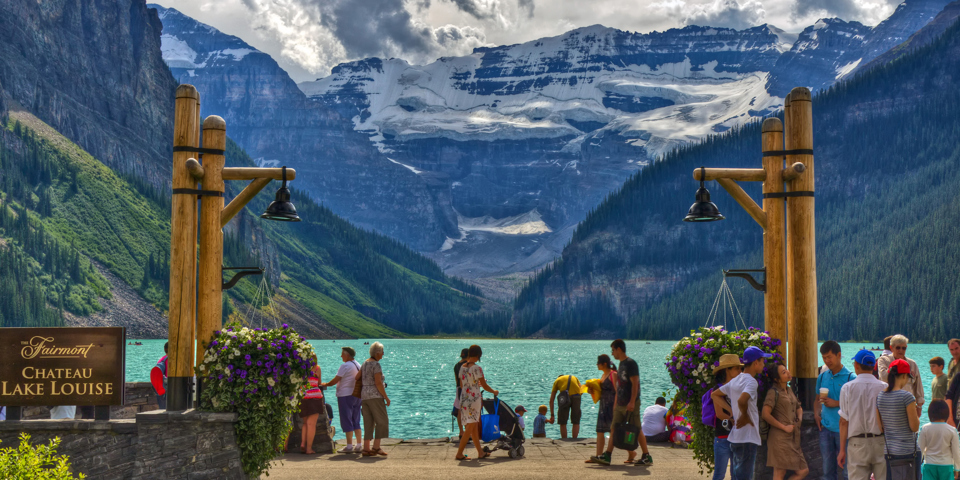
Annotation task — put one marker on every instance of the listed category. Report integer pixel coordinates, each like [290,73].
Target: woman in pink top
[310,408]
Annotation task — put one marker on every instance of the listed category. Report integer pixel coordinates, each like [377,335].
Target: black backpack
[563,398]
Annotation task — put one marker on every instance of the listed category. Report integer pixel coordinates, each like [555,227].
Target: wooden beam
[242,198]
[774,236]
[195,169]
[744,200]
[209,285]
[737,174]
[793,171]
[247,173]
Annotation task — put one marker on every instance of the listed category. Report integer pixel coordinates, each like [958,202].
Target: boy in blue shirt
[827,409]
[540,423]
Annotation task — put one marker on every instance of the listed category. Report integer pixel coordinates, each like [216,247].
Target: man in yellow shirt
[570,408]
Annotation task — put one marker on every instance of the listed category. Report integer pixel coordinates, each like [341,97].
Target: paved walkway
[434,459]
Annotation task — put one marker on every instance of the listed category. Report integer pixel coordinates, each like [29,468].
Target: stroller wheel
[486,449]
[520,451]
[513,453]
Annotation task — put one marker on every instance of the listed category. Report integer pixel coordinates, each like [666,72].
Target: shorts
[349,407]
[621,415]
[311,406]
[572,411]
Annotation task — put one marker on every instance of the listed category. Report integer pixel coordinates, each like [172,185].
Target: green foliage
[81,207]
[260,375]
[887,228]
[35,463]
[691,363]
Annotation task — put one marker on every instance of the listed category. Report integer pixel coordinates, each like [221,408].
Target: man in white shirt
[347,404]
[745,437]
[654,424]
[861,438]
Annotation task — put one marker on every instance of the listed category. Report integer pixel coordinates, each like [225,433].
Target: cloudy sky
[309,37]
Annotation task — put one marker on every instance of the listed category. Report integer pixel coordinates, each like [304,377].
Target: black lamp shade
[281,209]
[703,210]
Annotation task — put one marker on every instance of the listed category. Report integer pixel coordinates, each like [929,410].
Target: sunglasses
[899,348]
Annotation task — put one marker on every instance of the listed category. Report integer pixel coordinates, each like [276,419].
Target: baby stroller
[511,436]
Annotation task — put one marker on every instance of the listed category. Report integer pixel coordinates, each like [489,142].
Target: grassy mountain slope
[59,199]
[887,171]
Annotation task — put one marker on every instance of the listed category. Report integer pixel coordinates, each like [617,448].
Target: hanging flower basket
[691,363]
[258,374]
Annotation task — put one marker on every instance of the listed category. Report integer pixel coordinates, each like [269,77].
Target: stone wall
[158,444]
[190,444]
[98,449]
[322,440]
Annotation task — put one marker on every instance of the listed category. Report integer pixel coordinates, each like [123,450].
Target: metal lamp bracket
[746,274]
[242,272]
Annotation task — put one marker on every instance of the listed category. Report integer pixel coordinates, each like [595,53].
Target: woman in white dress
[471,401]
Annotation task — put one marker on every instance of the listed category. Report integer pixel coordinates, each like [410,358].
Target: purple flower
[247,357]
[286,326]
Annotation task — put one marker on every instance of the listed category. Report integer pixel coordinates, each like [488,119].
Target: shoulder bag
[357,387]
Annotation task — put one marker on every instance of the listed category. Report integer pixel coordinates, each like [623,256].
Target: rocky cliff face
[542,130]
[270,118]
[93,71]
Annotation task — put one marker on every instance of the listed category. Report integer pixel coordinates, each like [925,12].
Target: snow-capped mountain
[524,139]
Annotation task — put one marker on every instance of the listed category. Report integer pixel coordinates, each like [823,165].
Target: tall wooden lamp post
[789,240]
[196,306]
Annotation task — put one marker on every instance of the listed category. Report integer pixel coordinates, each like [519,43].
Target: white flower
[270,381]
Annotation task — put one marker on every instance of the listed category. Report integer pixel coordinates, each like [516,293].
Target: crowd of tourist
[868,418]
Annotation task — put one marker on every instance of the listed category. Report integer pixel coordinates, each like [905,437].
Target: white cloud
[309,37]
[725,13]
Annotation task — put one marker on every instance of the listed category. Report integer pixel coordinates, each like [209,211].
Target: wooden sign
[62,366]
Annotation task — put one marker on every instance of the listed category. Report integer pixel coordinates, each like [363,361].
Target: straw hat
[727,361]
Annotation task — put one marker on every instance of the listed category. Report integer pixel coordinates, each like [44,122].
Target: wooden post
[791,326]
[775,298]
[801,236]
[183,241]
[209,288]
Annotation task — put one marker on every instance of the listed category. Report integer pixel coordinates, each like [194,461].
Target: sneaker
[348,448]
[603,459]
[645,459]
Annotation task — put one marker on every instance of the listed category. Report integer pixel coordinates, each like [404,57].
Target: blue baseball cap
[865,358]
[752,354]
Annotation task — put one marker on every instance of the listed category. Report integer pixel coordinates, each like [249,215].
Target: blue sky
[309,37]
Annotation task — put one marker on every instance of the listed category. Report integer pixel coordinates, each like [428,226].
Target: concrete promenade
[434,459]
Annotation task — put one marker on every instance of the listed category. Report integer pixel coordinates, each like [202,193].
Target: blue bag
[490,424]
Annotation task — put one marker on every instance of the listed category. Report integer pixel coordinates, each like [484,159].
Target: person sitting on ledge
[654,423]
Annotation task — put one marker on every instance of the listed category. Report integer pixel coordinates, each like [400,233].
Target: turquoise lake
[419,374]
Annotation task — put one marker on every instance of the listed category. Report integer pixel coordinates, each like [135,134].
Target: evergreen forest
[887,146]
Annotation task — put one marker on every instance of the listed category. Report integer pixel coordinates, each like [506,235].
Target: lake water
[419,374]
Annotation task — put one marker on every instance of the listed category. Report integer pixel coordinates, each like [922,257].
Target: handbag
[627,436]
[357,387]
[490,423]
[903,467]
[764,426]
[563,398]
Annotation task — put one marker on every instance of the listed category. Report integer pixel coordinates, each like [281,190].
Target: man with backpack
[827,409]
[566,390]
[742,390]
